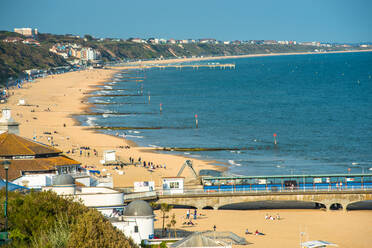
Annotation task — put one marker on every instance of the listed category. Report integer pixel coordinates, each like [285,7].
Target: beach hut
[109,156]
[173,185]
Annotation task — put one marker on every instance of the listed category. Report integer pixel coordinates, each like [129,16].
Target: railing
[261,191]
[233,191]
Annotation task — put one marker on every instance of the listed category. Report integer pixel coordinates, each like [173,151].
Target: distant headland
[27,49]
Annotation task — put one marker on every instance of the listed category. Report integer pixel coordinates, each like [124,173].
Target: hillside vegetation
[17,57]
[43,219]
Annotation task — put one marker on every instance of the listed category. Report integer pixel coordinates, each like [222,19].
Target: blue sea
[319,107]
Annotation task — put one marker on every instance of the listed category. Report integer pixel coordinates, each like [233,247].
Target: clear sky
[301,20]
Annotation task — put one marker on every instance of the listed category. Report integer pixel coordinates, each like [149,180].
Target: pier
[331,191]
[194,66]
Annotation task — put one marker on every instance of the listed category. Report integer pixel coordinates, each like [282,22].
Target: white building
[33,164]
[137,221]
[173,185]
[26,31]
[7,124]
[105,200]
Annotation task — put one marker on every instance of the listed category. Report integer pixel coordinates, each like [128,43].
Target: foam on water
[90,121]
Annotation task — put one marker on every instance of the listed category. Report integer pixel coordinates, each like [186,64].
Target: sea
[274,115]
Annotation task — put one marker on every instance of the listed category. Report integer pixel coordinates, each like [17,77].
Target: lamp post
[6,164]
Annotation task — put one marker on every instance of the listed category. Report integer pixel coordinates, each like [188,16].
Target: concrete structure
[103,199]
[137,221]
[216,200]
[64,185]
[7,124]
[198,240]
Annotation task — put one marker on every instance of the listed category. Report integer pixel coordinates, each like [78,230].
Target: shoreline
[77,86]
[177,60]
[63,94]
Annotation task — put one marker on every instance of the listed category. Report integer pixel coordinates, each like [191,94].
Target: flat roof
[286,176]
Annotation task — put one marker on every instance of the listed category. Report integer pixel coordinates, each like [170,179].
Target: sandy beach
[346,229]
[51,101]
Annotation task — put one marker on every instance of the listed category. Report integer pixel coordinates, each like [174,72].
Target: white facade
[7,124]
[136,227]
[62,189]
[102,199]
[144,186]
[34,181]
[173,185]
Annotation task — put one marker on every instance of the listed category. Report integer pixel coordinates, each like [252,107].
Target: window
[136,229]
[174,185]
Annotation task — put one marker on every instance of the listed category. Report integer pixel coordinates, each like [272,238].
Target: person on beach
[195,214]
[188,214]
[214,228]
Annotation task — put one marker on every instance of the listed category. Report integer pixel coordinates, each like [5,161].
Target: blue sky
[301,20]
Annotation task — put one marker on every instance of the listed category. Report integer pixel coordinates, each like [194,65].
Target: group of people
[255,233]
[149,165]
[270,217]
[190,216]
[86,152]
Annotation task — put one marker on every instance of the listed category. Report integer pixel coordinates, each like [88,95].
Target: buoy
[161,107]
[196,120]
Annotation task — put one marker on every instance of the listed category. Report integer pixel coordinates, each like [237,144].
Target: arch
[336,206]
[183,206]
[359,205]
[270,204]
[207,208]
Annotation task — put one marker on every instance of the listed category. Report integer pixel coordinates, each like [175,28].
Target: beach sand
[352,229]
[51,101]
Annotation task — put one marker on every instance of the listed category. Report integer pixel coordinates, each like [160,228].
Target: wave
[90,121]
[155,146]
[134,131]
[134,136]
[232,162]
